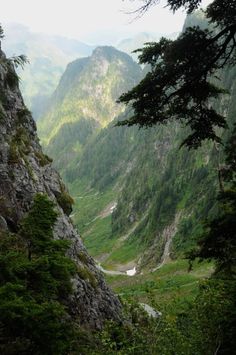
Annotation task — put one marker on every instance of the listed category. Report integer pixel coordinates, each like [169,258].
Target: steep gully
[167,234]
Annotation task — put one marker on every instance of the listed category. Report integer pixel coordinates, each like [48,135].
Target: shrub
[43,159]
[65,201]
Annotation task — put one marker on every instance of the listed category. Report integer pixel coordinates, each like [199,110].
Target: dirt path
[110,272]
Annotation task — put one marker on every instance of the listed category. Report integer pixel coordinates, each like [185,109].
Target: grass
[167,288]
[89,203]
[129,251]
[99,241]
[96,231]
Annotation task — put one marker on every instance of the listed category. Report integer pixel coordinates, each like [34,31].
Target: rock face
[25,171]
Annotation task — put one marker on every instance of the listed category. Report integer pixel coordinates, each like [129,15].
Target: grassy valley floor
[167,289]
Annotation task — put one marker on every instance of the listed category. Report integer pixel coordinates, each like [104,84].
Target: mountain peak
[89,89]
[110,53]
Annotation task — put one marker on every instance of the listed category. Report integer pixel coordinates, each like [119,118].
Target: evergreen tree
[219,241]
[34,286]
[179,85]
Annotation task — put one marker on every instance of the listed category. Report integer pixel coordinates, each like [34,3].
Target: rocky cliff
[25,171]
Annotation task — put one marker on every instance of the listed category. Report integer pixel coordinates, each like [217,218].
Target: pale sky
[88,19]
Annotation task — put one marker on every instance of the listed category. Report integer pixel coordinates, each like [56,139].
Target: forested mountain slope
[155,189]
[135,191]
[85,101]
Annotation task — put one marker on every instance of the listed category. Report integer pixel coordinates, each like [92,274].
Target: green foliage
[43,158]
[179,84]
[97,237]
[101,161]
[11,78]
[83,257]
[215,312]
[202,326]
[65,200]
[166,182]
[87,275]
[19,145]
[150,180]
[168,289]
[69,142]
[23,114]
[229,170]
[34,286]
[218,240]
[39,223]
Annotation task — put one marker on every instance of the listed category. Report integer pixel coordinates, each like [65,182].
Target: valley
[117,204]
[138,199]
[134,191]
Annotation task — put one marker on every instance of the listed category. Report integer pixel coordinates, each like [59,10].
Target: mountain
[138,198]
[140,202]
[129,45]
[26,172]
[85,101]
[48,57]
[135,190]
[197,18]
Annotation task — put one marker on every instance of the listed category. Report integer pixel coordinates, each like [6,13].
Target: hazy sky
[88,20]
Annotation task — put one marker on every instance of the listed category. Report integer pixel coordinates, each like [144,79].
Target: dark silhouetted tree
[179,84]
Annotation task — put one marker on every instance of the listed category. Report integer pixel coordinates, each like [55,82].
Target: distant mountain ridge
[48,56]
[129,45]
